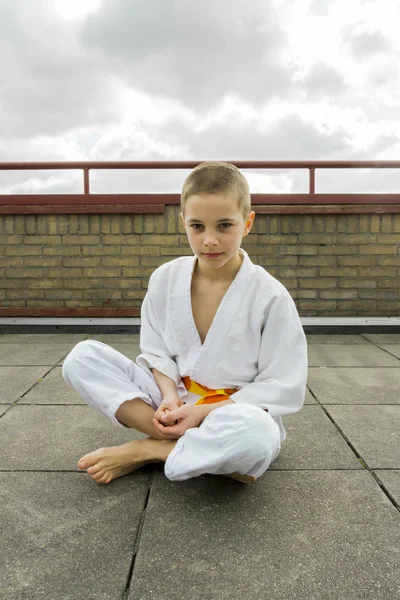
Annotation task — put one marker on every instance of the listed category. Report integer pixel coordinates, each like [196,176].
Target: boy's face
[214,225]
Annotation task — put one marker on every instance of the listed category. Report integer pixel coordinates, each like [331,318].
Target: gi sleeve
[280,385]
[155,353]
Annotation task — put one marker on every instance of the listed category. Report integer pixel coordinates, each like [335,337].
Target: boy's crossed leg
[105,464]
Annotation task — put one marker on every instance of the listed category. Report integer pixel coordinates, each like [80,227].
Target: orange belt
[207,396]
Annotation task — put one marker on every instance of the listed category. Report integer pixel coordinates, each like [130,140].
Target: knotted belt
[207,396]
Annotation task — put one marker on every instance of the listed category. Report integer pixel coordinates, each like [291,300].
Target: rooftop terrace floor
[322,523]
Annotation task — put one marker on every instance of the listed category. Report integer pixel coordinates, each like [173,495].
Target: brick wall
[333,265]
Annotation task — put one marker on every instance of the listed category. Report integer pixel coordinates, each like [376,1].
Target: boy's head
[217,178]
[216,211]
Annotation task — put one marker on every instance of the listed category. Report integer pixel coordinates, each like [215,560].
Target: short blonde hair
[217,178]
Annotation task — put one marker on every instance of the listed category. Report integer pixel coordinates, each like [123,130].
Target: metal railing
[87,202]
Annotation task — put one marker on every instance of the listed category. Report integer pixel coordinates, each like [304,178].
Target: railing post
[312,180]
[86,190]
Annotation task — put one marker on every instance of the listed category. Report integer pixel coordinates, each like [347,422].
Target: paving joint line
[137,540]
[358,455]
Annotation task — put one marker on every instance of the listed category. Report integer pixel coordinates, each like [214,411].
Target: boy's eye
[223,225]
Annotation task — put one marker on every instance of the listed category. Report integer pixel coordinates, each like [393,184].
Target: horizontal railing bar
[190,164]
[164,199]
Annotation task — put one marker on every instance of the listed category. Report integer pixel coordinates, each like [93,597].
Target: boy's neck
[226,273]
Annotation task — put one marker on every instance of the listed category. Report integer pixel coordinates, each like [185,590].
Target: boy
[224,354]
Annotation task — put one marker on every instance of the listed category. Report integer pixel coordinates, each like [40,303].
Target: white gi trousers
[239,438]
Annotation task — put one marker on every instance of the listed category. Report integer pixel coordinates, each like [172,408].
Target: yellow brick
[338,294]
[44,283]
[341,223]
[10,239]
[377,272]
[139,272]
[153,261]
[51,240]
[311,261]
[338,272]
[357,283]
[23,250]
[396,222]
[289,261]
[62,224]
[64,273]
[172,217]
[73,224]
[364,225]
[389,283]
[128,261]
[7,261]
[101,250]
[137,295]
[317,238]
[149,224]
[308,224]
[19,224]
[368,238]
[115,224]
[83,224]
[331,223]
[94,223]
[24,273]
[102,294]
[15,303]
[101,272]
[297,272]
[140,250]
[337,250]
[30,224]
[378,250]
[348,261]
[299,250]
[375,223]
[308,294]
[273,224]
[160,223]
[183,241]
[276,239]
[79,239]
[319,224]
[58,250]
[9,224]
[387,262]
[377,294]
[387,223]
[177,251]
[120,240]
[52,224]
[138,223]
[260,224]
[387,238]
[42,261]
[159,240]
[320,305]
[319,283]
[127,224]
[81,262]
[105,223]
[62,294]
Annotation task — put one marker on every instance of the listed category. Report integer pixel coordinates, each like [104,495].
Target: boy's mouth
[213,255]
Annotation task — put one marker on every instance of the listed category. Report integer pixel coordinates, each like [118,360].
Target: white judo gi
[256,344]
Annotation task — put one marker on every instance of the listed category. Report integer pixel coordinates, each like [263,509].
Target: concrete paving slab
[51,390]
[391,349]
[358,385]
[65,537]
[36,338]
[116,338]
[313,442]
[335,338]
[291,536]
[374,432]
[309,399]
[15,381]
[383,338]
[55,437]
[349,356]
[45,353]
[391,481]
[130,349]
[3,409]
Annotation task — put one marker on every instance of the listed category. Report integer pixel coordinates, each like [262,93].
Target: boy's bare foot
[105,464]
[242,478]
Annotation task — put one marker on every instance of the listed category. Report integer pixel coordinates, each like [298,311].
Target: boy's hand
[169,404]
[185,417]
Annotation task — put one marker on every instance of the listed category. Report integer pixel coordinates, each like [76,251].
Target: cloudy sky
[189,80]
